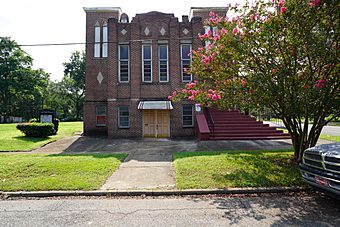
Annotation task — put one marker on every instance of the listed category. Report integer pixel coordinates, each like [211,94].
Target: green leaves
[21,87]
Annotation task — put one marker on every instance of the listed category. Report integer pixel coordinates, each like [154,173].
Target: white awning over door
[155,105]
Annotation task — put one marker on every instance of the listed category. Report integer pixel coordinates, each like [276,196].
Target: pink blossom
[244,82]
[235,31]
[174,93]
[252,18]
[274,70]
[215,97]
[212,14]
[191,97]
[217,37]
[213,19]
[314,3]
[170,97]
[283,10]
[191,85]
[223,31]
[320,83]
[281,3]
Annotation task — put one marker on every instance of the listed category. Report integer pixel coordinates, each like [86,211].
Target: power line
[84,43]
[52,44]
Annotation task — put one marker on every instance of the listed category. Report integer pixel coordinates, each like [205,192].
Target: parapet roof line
[216,8]
[102,9]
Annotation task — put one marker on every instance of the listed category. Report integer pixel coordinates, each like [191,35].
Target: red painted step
[233,125]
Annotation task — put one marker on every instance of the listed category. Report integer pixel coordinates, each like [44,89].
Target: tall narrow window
[163,63]
[123,117]
[187,116]
[124,63]
[206,31]
[97,40]
[215,30]
[101,115]
[105,40]
[185,62]
[147,61]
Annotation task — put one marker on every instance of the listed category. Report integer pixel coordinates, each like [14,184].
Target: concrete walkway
[148,169]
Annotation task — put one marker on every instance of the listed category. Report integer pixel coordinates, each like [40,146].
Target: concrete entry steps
[234,125]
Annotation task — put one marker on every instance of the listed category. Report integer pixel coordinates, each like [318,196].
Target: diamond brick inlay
[147,31]
[162,31]
[123,31]
[185,31]
[100,77]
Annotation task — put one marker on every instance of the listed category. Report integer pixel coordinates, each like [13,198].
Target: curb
[109,193]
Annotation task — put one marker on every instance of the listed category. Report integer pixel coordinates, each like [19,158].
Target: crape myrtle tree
[281,55]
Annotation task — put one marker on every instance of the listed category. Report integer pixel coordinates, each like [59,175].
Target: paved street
[269,210]
[326,130]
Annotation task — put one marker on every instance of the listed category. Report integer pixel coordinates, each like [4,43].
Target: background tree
[21,87]
[281,55]
[73,82]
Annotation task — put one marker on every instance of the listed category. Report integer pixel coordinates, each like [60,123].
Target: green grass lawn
[30,172]
[325,137]
[236,169]
[330,138]
[11,139]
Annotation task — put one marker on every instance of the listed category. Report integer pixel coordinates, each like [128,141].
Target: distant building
[133,66]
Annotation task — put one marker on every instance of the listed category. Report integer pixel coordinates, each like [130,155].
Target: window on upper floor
[123,117]
[187,116]
[97,40]
[163,63]
[185,62]
[101,115]
[105,41]
[147,63]
[100,40]
[123,52]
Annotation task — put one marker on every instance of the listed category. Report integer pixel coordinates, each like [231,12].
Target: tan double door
[156,123]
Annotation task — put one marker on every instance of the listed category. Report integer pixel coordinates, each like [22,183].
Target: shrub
[33,120]
[36,129]
[56,125]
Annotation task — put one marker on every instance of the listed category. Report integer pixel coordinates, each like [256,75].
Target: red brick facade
[106,90]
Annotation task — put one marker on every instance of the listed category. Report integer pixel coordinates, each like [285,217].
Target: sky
[63,21]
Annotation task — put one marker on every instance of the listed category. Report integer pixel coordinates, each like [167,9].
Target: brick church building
[132,66]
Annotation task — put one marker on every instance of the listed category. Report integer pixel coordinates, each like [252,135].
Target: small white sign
[46,118]
[198,107]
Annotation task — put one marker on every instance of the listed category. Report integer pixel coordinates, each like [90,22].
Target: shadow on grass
[119,156]
[32,139]
[248,168]
[180,155]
